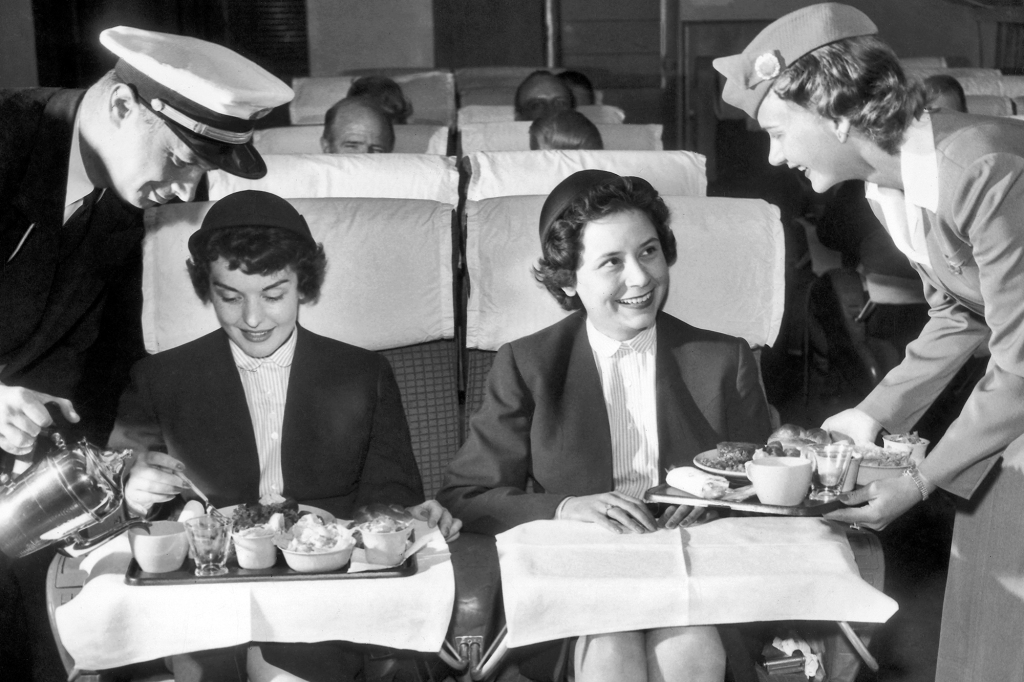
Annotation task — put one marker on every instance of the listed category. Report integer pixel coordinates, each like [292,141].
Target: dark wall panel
[488,33]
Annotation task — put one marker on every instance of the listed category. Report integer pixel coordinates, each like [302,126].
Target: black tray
[669,495]
[186,575]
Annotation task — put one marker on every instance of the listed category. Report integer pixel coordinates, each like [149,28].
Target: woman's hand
[887,499]
[617,512]
[680,516]
[152,480]
[434,514]
[855,424]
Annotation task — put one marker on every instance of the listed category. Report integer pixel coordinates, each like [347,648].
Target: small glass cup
[831,463]
[209,538]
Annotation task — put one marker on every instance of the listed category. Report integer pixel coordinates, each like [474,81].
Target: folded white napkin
[562,578]
[566,578]
[111,623]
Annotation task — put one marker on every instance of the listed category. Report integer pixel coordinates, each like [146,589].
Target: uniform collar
[79,186]
[919,165]
[607,346]
[282,357]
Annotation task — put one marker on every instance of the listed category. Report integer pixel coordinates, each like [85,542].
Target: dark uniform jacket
[70,299]
[544,419]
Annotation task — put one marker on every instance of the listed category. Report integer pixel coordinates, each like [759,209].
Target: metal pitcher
[61,495]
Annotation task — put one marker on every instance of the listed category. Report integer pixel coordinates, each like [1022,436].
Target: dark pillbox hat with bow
[251,208]
[568,190]
[750,74]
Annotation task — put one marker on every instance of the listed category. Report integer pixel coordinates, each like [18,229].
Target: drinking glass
[209,537]
[831,463]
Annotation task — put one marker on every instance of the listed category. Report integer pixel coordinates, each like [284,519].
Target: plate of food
[256,514]
[728,459]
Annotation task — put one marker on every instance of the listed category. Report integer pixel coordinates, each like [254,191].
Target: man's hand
[617,512]
[854,423]
[434,514]
[152,480]
[887,500]
[22,415]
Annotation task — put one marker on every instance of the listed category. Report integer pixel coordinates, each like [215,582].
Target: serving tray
[280,571]
[669,495]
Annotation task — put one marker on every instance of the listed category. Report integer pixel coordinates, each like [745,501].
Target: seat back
[388,288]
[412,138]
[496,113]
[510,136]
[990,105]
[728,276]
[379,176]
[432,94]
[499,174]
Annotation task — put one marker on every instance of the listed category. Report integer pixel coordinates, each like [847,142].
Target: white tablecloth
[564,578]
[111,623]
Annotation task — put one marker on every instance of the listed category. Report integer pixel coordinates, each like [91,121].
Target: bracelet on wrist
[919,480]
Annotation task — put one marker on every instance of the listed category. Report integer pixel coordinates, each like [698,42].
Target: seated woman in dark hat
[262,408]
[593,410]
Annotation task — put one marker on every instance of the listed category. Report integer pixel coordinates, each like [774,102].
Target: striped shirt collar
[282,357]
[607,346]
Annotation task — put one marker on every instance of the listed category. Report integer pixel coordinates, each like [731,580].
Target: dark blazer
[344,443]
[70,300]
[543,419]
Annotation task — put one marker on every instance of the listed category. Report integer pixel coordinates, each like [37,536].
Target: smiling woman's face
[804,140]
[258,312]
[622,279]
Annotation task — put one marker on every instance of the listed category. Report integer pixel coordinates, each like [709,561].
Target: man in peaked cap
[76,168]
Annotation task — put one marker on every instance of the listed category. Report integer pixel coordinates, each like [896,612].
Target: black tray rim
[279,572]
[669,495]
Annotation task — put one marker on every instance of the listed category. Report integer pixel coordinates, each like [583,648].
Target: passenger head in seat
[945,92]
[540,94]
[386,94]
[565,130]
[355,125]
[582,88]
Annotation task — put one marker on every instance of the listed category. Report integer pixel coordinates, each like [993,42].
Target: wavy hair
[259,251]
[859,79]
[562,245]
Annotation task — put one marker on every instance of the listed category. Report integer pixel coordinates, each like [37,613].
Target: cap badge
[767,66]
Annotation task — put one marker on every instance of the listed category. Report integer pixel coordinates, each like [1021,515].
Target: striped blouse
[265,381]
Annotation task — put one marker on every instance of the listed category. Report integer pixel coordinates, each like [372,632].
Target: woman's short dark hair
[259,251]
[562,245]
[386,94]
[566,129]
[860,79]
[944,84]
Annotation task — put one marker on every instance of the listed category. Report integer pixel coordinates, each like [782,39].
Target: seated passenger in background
[945,92]
[581,418]
[262,407]
[386,94]
[542,93]
[582,88]
[355,125]
[565,130]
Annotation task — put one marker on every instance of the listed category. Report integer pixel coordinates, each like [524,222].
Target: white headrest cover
[432,94]
[386,176]
[411,138]
[388,283]
[729,275]
[512,136]
[499,174]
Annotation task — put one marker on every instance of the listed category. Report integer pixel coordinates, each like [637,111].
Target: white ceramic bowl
[160,550]
[320,562]
[869,472]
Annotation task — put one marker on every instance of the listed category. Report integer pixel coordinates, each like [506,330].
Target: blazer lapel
[586,433]
[683,432]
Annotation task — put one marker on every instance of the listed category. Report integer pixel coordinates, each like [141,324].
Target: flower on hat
[767,66]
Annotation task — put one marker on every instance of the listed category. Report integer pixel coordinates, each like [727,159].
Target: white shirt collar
[919,171]
[607,346]
[79,186]
[282,357]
